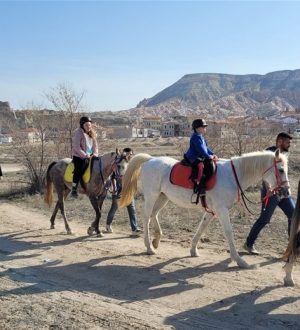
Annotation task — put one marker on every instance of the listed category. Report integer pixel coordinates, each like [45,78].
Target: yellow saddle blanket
[68,176]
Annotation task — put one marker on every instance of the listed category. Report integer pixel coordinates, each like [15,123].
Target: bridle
[279,184]
[115,169]
[118,160]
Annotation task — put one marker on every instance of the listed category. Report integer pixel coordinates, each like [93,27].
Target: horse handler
[116,194]
[287,204]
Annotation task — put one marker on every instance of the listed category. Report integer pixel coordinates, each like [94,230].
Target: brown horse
[96,189]
[293,248]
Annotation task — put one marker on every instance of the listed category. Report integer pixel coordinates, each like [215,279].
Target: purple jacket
[79,144]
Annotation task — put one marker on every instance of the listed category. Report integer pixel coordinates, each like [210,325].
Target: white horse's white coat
[157,189]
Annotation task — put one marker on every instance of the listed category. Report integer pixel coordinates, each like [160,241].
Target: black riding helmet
[198,123]
[84,120]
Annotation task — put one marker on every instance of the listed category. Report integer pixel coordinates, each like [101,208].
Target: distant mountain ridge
[220,95]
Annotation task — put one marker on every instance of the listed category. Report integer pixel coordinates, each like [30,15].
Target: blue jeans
[131,212]
[286,204]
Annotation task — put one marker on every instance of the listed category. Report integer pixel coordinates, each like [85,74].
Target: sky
[120,52]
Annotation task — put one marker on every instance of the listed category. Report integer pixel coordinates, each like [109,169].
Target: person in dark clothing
[197,152]
[287,204]
[1,175]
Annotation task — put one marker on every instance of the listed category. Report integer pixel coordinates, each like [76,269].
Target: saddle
[180,176]
[68,176]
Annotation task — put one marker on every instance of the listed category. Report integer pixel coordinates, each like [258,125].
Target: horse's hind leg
[148,210]
[52,219]
[159,204]
[61,194]
[206,219]
[288,279]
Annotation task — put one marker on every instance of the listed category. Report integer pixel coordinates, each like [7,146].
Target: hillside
[220,95]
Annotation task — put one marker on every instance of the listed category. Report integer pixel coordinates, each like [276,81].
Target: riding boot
[201,186]
[74,193]
[193,177]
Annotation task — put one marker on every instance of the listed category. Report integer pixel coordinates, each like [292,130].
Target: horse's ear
[277,153]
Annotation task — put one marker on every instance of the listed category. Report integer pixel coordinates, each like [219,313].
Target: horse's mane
[258,162]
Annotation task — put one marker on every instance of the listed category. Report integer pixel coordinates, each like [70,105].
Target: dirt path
[50,280]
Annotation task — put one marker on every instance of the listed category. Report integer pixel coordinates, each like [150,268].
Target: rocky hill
[220,95]
[7,117]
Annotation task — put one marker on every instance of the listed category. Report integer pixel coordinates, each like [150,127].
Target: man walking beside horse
[272,199]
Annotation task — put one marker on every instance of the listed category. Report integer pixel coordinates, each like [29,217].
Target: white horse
[293,249]
[157,190]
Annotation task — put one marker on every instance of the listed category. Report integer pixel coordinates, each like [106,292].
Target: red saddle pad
[180,176]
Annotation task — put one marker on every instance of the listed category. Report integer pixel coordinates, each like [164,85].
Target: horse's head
[276,176]
[121,161]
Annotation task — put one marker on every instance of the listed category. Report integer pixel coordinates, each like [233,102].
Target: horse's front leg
[288,267]
[223,215]
[206,219]
[97,205]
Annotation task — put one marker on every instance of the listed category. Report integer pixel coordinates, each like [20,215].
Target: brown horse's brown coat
[95,189]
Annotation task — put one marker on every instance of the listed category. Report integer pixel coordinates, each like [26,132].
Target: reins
[240,190]
[114,167]
[265,200]
[278,181]
[107,183]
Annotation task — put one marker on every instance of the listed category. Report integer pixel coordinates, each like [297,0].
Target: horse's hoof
[243,264]
[288,282]
[69,232]
[90,231]
[151,252]
[52,227]
[100,234]
[155,243]
[194,253]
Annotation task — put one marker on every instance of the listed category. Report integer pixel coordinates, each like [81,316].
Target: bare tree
[69,103]
[32,147]
[241,137]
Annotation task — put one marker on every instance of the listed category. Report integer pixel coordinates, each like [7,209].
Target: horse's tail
[293,248]
[49,186]
[130,178]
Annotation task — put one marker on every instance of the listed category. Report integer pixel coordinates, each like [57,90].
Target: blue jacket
[198,148]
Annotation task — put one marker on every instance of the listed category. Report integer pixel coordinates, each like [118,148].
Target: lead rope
[106,184]
[271,192]
[240,190]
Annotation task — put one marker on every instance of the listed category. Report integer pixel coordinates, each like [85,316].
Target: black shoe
[201,191]
[74,193]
